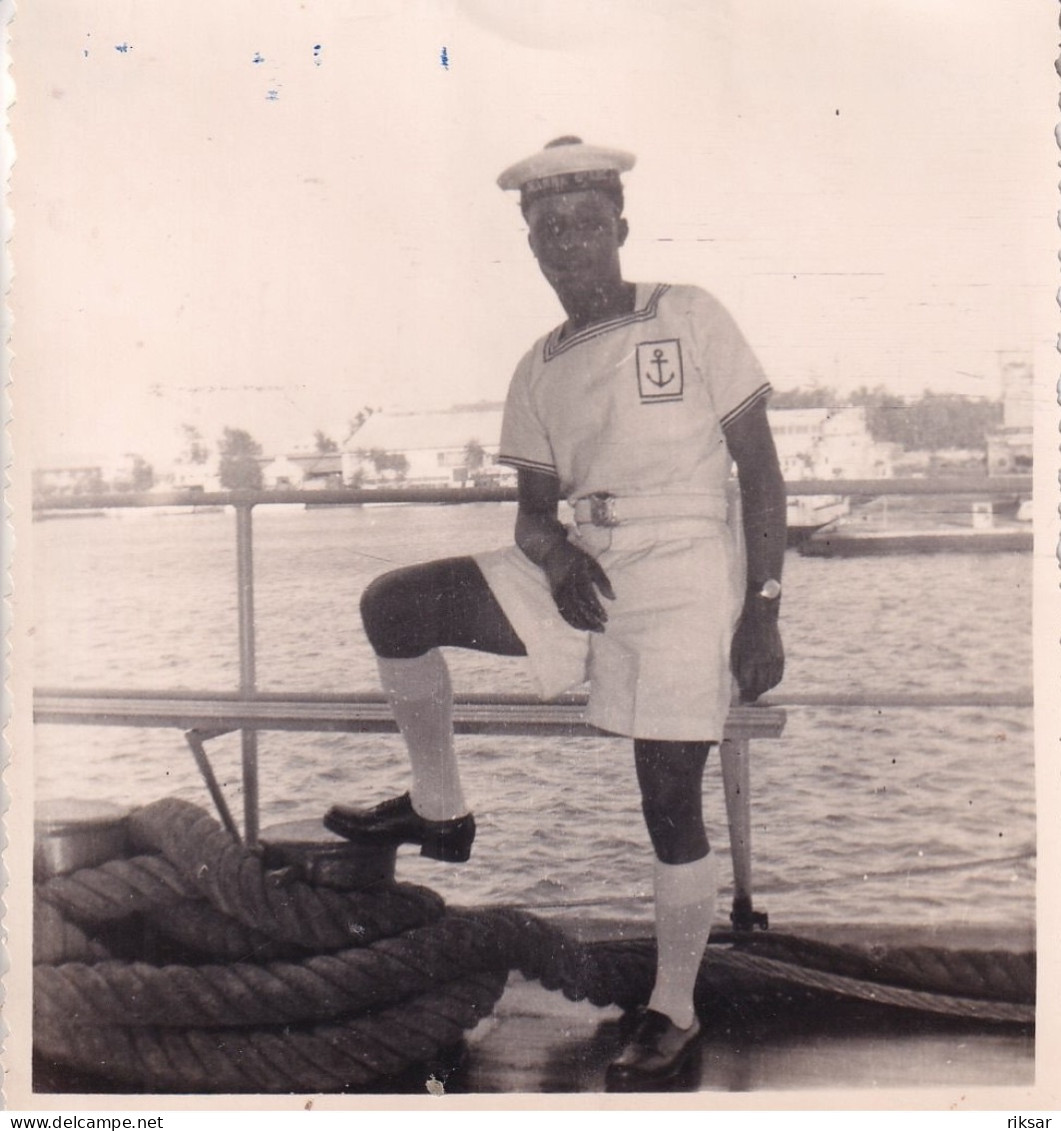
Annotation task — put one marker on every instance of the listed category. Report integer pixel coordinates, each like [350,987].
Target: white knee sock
[685,907]
[421,696]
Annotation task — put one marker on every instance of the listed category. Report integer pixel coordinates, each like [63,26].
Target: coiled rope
[191,967]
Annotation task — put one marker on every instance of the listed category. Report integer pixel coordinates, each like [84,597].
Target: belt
[602,509]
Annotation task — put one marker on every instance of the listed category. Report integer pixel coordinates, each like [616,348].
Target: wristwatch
[770,590]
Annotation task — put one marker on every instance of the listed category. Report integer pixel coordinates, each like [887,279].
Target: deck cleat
[395,821]
[302,852]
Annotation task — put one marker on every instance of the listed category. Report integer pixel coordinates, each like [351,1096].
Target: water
[859,815]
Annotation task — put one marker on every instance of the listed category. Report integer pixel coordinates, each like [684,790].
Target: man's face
[576,236]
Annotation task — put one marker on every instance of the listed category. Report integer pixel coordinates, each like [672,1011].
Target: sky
[270,215]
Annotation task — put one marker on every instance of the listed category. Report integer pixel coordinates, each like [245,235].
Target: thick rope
[326,1058]
[728,968]
[203,862]
[199,932]
[401,979]
[233,880]
[1000,975]
[117,888]
[350,981]
[55,939]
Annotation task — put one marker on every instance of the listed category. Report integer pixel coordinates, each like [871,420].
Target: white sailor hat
[566,165]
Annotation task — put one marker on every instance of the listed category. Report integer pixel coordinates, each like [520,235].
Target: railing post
[736,782]
[247,672]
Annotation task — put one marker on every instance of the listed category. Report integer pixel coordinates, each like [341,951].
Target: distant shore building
[196,477]
[828,443]
[1009,448]
[455,447]
[62,482]
[93,476]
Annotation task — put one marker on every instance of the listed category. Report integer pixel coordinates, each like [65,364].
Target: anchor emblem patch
[659,371]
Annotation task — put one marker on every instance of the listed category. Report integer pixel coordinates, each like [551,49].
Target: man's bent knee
[389,615]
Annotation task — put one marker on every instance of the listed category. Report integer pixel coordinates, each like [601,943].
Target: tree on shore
[397,463]
[934,422]
[817,396]
[324,444]
[357,422]
[139,476]
[474,455]
[238,467]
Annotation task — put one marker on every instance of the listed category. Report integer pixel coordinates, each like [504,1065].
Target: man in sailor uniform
[634,410]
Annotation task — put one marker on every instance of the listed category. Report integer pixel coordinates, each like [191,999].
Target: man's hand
[574,576]
[756,656]
[574,579]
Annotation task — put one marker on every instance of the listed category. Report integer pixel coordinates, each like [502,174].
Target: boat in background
[807,513]
[825,444]
[925,525]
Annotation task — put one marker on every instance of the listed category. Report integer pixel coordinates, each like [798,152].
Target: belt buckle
[602,509]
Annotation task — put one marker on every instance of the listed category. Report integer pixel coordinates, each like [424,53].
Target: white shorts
[661,667]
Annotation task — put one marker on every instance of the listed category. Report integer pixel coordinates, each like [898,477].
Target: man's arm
[757,657]
[574,576]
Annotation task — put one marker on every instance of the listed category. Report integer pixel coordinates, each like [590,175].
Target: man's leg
[685,875]
[408,615]
[664,1041]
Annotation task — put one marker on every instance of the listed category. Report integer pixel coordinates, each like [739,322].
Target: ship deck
[538,1042]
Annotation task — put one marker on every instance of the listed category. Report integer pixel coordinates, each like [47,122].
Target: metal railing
[997,485]
[214,713]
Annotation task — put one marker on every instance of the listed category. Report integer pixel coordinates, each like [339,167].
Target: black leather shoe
[656,1054]
[397,822]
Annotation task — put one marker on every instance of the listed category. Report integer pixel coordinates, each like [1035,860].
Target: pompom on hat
[566,165]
